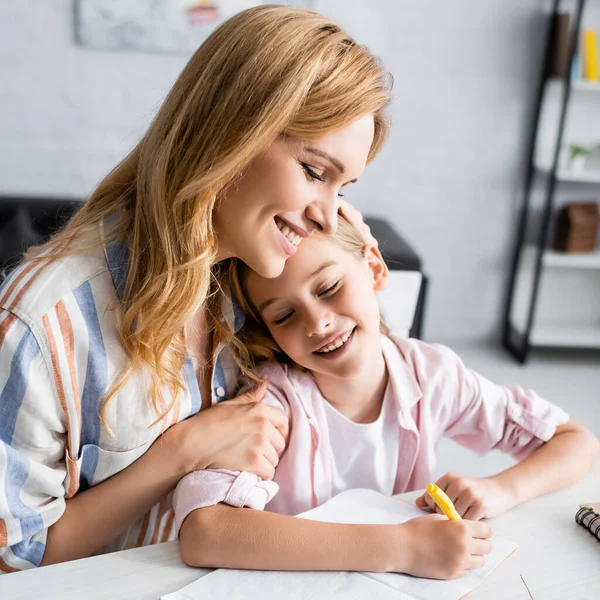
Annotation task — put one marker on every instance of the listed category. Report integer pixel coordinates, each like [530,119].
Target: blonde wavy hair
[265,72]
[253,344]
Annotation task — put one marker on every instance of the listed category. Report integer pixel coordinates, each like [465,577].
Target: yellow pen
[443,501]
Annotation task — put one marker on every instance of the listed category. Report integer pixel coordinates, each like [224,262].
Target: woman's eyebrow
[334,161]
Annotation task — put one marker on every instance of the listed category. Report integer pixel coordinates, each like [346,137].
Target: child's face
[322,310]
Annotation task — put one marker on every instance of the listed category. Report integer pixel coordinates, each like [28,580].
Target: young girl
[113,361]
[366,409]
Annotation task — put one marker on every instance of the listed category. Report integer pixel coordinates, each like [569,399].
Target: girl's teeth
[337,344]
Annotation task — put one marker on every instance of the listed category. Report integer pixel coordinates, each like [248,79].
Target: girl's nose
[318,322]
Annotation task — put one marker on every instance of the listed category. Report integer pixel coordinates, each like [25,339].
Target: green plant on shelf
[575,150]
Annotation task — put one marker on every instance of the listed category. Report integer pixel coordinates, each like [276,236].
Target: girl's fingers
[463,504]
[476,562]
[475,512]
[481,547]
[421,501]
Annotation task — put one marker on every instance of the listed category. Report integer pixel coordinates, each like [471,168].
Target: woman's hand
[438,548]
[355,218]
[241,434]
[473,498]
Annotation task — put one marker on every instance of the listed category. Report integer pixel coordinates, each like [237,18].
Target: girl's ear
[377,266]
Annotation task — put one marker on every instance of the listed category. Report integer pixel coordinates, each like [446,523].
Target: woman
[113,335]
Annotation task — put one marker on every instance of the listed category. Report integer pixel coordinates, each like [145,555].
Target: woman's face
[286,193]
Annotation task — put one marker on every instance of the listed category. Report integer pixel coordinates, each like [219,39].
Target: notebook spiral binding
[590,519]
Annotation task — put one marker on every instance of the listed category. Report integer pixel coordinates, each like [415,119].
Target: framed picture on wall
[154,25]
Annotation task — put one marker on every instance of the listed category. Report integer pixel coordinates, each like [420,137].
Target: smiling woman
[114,334]
[287,192]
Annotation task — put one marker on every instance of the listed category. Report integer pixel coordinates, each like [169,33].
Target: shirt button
[220,392]
[516,412]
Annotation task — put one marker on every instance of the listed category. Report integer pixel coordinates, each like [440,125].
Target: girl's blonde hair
[265,72]
[253,344]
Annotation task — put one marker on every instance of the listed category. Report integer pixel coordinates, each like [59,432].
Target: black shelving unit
[519,338]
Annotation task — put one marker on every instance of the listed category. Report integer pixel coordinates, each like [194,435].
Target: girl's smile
[322,310]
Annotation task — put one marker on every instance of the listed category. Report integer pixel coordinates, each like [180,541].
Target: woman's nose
[323,214]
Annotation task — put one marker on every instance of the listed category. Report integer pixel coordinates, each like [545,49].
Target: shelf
[566,175]
[585,86]
[583,177]
[580,85]
[567,311]
[563,260]
[566,336]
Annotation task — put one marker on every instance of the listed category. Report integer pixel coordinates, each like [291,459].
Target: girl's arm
[569,456]
[552,451]
[432,546]
[566,458]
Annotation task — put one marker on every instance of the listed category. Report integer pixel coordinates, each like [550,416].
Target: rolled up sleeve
[212,486]
[483,416]
[32,448]
[240,489]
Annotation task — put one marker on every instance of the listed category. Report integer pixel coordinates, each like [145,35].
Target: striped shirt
[60,353]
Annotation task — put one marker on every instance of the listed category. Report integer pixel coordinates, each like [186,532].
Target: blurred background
[475,84]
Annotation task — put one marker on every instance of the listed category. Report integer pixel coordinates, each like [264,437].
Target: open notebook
[353,506]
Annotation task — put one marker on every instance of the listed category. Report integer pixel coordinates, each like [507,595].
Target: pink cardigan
[436,396]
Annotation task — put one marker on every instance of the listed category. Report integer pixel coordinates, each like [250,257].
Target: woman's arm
[224,536]
[93,517]
[566,458]
[241,433]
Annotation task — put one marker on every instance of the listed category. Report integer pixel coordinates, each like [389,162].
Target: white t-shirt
[364,455]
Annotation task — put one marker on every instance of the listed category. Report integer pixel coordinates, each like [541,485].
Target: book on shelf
[586,60]
[560,43]
[589,53]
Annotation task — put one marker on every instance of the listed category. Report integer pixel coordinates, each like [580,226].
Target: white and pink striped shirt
[59,354]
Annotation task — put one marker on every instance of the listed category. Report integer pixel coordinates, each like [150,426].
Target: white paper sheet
[353,506]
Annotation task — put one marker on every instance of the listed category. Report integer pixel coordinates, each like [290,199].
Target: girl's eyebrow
[270,301]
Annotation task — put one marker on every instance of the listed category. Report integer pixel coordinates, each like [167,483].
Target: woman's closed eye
[314,176]
[311,173]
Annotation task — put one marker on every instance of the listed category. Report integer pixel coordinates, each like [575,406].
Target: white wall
[465,74]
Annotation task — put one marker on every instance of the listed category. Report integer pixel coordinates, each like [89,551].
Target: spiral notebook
[352,506]
[588,516]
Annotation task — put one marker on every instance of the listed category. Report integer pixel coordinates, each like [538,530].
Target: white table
[556,558]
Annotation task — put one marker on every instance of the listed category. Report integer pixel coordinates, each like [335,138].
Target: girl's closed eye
[284,319]
[332,289]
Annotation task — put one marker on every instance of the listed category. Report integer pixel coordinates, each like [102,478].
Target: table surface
[556,559]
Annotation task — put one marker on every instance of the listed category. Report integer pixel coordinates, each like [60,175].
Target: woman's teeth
[335,345]
[293,237]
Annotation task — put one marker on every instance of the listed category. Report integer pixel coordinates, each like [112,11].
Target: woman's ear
[377,266]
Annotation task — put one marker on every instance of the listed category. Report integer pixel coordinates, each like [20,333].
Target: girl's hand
[473,498]
[442,549]
[241,434]
[355,219]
